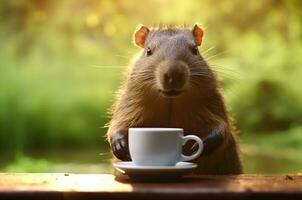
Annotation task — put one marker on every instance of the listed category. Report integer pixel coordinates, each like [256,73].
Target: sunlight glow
[92,20]
[91,182]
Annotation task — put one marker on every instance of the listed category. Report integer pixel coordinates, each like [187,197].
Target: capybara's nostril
[168,78]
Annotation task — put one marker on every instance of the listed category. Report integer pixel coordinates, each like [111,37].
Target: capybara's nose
[175,76]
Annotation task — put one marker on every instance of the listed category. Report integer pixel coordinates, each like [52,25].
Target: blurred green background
[62,61]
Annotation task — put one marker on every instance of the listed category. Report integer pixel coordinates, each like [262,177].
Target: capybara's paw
[212,142]
[119,145]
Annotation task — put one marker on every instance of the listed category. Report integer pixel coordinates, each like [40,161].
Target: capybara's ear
[197,33]
[140,35]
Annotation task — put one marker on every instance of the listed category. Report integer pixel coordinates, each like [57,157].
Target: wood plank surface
[106,186]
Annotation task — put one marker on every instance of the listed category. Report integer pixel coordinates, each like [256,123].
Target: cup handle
[197,153]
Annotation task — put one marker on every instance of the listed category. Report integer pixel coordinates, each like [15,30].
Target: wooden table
[106,186]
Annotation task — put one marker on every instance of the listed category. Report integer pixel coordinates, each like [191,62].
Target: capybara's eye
[149,52]
[195,50]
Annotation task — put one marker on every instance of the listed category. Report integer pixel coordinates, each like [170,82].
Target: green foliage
[25,164]
[62,61]
[290,139]
[280,150]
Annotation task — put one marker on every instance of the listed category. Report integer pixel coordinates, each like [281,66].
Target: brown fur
[198,110]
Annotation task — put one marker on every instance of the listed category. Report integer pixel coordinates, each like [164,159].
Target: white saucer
[155,172]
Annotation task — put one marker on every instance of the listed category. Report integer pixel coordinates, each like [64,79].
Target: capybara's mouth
[171,93]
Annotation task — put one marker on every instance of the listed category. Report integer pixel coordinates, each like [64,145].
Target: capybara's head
[170,62]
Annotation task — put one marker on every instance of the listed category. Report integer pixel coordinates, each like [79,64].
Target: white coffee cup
[160,146]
